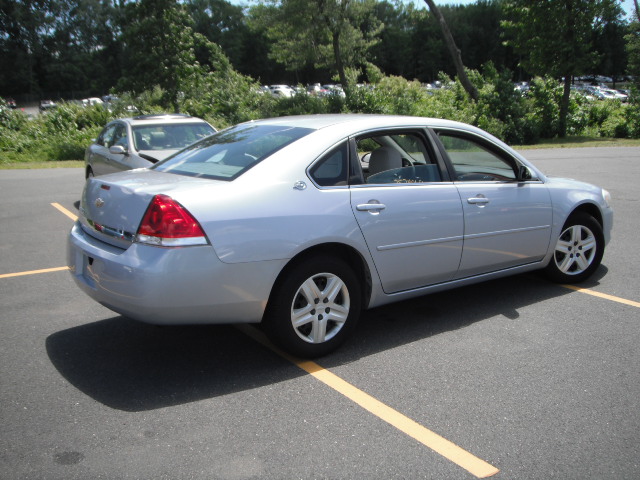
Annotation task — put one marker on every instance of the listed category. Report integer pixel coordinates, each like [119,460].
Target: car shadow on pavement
[133,366]
[430,315]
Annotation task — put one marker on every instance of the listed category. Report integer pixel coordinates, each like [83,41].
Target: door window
[120,136]
[474,162]
[396,158]
[105,138]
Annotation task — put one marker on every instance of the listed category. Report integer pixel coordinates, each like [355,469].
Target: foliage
[60,134]
[555,38]
[501,108]
[633,51]
[79,48]
[160,49]
[225,97]
[333,34]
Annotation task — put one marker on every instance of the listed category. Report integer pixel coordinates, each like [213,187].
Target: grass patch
[580,142]
[41,164]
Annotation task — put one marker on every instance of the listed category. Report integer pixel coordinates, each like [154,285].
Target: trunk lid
[112,206]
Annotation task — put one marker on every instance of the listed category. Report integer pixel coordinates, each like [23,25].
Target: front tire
[314,308]
[578,250]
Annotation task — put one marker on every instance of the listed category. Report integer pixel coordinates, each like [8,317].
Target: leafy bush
[11,119]
[502,110]
[544,97]
[632,113]
[59,134]
[225,97]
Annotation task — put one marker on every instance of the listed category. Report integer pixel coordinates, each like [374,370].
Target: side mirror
[118,150]
[524,174]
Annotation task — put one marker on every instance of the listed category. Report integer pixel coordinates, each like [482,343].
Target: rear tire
[314,308]
[578,250]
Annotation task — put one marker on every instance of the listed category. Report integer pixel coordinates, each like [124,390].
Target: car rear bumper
[170,286]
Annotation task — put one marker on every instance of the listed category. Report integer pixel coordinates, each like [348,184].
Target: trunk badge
[99,202]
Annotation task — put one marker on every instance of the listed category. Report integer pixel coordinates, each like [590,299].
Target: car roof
[360,121]
[346,124]
[161,119]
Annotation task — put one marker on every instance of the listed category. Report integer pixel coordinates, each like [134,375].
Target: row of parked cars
[602,92]
[315,89]
[591,92]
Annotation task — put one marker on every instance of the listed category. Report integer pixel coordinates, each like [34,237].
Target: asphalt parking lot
[516,378]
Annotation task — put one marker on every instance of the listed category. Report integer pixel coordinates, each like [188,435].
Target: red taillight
[167,223]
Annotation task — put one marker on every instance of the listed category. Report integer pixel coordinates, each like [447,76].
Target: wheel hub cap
[320,308]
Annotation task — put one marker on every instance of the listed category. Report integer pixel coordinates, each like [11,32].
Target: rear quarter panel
[260,216]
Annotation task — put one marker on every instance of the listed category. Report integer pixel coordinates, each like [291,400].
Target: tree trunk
[564,107]
[454,51]
[337,53]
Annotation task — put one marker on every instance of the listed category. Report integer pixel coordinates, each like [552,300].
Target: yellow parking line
[33,272]
[69,214]
[435,442]
[624,301]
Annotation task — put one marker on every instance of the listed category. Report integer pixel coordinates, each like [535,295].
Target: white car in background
[282,91]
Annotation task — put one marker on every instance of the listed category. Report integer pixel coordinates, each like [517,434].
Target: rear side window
[331,170]
[228,154]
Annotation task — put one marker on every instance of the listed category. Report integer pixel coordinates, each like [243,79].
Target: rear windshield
[228,154]
[170,136]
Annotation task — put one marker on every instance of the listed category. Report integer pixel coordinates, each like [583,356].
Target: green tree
[159,49]
[83,31]
[396,54]
[335,34]
[24,27]
[555,37]
[633,49]
[221,23]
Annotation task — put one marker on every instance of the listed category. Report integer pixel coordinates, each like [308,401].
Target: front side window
[229,153]
[106,136]
[474,162]
[119,136]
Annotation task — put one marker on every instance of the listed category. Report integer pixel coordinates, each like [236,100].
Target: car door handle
[478,200]
[371,207]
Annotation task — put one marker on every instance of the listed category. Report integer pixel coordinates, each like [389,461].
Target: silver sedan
[302,222]
[141,141]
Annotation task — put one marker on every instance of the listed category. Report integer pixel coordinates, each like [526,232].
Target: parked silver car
[302,222]
[141,141]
